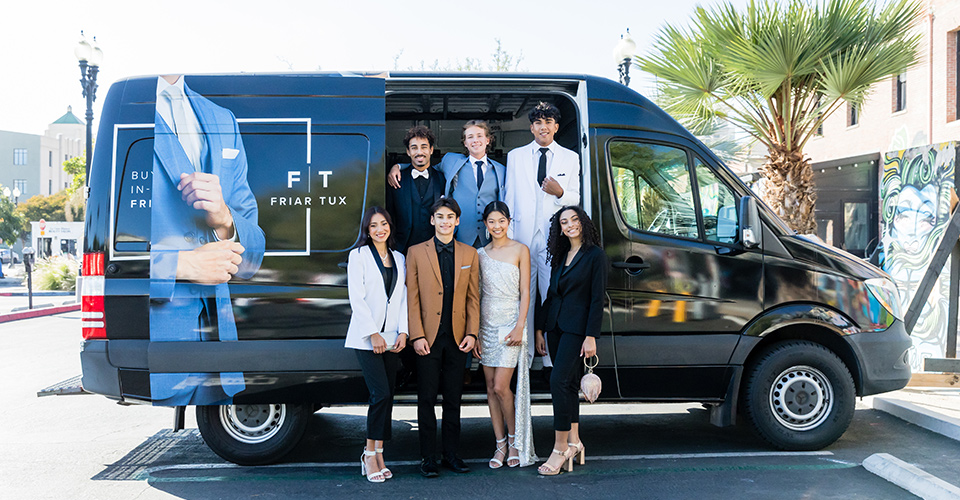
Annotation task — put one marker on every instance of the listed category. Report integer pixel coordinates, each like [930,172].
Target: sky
[41,75]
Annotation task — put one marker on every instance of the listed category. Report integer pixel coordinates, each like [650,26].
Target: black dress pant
[440,371]
[380,374]
[565,378]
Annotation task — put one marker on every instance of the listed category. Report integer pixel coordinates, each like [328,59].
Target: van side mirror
[749,222]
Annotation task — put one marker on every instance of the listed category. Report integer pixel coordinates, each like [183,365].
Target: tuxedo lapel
[457,263]
[169,151]
[211,133]
[576,258]
[431,250]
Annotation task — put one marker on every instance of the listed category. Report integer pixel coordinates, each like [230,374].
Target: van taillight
[91,291]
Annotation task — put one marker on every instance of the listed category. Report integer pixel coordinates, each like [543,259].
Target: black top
[410,207]
[578,290]
[445,257]
[389,274]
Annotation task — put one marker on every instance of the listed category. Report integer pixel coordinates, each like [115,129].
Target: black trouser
[441,370]
[380,374]
[565,378]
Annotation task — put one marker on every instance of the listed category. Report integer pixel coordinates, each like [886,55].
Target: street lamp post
[15,194]
[623,54]
[89,55]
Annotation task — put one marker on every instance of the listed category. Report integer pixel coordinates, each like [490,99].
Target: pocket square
[230,153]
[465,267]
[561,175]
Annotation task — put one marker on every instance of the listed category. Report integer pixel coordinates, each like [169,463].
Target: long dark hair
[558,244]
[365,227]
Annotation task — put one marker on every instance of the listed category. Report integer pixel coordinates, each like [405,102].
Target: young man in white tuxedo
[541,177]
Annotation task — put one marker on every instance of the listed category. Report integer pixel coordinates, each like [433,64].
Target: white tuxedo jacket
[521,189]
[368,299]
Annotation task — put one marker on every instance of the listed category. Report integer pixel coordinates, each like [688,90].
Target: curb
[920,416]
[36,313]
[910,478]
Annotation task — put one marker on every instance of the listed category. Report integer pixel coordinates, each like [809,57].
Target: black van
[711,298]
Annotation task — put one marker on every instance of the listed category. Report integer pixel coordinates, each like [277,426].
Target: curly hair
[558,244]
[482,125]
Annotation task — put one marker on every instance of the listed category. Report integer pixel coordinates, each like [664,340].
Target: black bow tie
[444,247]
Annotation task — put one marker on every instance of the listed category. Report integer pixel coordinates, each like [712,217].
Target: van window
[653,187]
[718,205]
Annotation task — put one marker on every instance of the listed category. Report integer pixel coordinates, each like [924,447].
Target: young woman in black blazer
[571,317]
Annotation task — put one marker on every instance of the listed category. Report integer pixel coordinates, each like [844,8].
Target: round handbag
[590,384]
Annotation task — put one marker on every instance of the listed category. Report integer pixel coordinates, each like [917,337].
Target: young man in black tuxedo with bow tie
[421,185]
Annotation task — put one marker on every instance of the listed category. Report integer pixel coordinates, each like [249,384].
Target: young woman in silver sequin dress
[504,300]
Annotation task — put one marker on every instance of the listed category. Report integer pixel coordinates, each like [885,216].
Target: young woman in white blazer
[378,329]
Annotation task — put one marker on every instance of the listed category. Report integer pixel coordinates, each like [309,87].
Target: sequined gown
[500,308]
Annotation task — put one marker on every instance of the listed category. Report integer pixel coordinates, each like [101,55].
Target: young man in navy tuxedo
[420,186]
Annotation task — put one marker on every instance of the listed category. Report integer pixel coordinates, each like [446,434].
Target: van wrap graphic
[204,230]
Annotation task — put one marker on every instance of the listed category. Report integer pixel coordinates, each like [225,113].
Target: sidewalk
[936,409]
[14,300]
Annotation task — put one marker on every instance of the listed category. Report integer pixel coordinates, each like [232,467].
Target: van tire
[254,434]
[799,396]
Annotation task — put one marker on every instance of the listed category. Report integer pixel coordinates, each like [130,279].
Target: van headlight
[885,291]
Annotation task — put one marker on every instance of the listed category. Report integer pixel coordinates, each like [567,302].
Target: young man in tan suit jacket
[443,300]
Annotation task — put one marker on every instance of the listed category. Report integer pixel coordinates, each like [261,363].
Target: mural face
[915,196]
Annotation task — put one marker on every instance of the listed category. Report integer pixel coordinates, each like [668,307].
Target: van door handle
[633,266]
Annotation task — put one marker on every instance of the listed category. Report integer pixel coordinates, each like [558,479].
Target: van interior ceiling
[445,114]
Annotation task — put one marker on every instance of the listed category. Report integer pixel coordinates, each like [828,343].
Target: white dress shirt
[486,166]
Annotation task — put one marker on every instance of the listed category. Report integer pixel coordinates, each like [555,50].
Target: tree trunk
[790,191]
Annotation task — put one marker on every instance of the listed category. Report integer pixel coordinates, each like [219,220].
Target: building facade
[34,163]
[885,172]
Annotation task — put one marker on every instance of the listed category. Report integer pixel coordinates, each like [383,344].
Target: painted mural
[915,206]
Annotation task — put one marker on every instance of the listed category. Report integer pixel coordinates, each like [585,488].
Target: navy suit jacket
[404,206]
[175,308]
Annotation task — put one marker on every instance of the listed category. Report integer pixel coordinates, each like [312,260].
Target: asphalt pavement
[899,443]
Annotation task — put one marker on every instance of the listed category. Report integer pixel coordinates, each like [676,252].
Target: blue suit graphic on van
[462,186]
[184,311]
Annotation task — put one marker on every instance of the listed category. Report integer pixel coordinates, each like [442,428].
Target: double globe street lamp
[16,194]
[90,56]
[623,54]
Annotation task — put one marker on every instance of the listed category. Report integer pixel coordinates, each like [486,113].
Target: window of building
[900,93]
[20,156]
[853,115]
[49,158]
[20,184]
[50,187]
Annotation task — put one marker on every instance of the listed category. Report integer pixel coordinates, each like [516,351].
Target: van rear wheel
[799,396]
[252,434]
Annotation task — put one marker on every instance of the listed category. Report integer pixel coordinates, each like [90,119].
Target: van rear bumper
[99,375]
[883,357]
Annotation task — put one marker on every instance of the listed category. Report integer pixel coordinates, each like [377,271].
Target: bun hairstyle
[496,206]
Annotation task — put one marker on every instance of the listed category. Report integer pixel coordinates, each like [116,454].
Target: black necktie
[542,170]
[479,174]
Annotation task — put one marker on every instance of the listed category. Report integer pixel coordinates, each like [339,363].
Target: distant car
[6,255]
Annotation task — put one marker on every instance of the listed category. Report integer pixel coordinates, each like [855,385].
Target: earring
[487,231]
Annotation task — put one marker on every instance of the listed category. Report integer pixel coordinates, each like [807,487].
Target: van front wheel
[252,434]
[799,396]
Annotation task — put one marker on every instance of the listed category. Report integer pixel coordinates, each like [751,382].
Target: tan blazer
[425,291]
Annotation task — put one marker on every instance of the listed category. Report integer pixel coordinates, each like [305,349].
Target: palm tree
[777,71]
